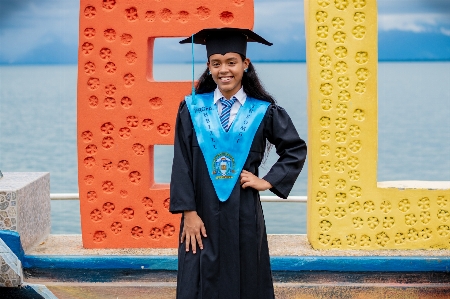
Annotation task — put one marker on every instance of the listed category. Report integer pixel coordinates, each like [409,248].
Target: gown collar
[241,96]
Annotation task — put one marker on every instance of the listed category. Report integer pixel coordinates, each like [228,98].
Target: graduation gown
[235,260]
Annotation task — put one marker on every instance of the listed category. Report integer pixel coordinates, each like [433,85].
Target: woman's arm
[182,194]
[280,131]
[248,179]
[193,226]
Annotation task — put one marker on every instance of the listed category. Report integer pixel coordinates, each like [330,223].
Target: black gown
[235,260]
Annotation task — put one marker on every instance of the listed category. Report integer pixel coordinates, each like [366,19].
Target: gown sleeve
[181,183]
[280,131]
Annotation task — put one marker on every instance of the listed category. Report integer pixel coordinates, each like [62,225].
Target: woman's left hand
[248,179]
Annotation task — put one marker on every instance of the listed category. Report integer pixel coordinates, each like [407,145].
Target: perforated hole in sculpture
[162,70]
[163,157]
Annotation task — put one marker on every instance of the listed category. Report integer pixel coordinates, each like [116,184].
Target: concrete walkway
[115,273]
[279,245]
[112,284]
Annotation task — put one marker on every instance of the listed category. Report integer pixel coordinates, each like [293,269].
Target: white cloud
[280,21]
[418,22]
[37,25]
[280,14]
[445,31]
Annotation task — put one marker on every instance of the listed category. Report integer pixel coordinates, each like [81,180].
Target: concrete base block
[11,274]
[25,206]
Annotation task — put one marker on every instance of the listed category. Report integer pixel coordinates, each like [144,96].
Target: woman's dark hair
[252,87]
[250,81]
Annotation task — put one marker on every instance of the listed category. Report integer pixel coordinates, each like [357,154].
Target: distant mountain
[393,46]
[403,46]
[53,52]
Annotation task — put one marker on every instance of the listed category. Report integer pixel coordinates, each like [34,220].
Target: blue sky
[46,31]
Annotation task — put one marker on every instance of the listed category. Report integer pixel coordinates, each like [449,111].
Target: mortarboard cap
[225,40]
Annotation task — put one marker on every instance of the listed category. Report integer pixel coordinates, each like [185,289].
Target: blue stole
[225,152]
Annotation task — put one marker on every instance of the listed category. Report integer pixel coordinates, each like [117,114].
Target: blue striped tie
[226,109]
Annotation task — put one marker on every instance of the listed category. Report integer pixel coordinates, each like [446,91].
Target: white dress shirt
[241,96]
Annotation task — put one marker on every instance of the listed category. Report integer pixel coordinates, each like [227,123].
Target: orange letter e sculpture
[122,113]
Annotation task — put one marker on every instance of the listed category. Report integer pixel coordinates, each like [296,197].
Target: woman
[220,141]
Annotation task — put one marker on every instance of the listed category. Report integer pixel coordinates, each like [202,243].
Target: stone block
[11,274]
[25,206]
[122,113]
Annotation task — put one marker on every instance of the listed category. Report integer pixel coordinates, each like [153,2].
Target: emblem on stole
[223,166]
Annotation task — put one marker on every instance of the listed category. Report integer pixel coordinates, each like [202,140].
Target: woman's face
[227,71]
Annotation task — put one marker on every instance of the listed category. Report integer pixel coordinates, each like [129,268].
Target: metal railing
[76,196]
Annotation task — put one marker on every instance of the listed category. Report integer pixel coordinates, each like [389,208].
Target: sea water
[38,128]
